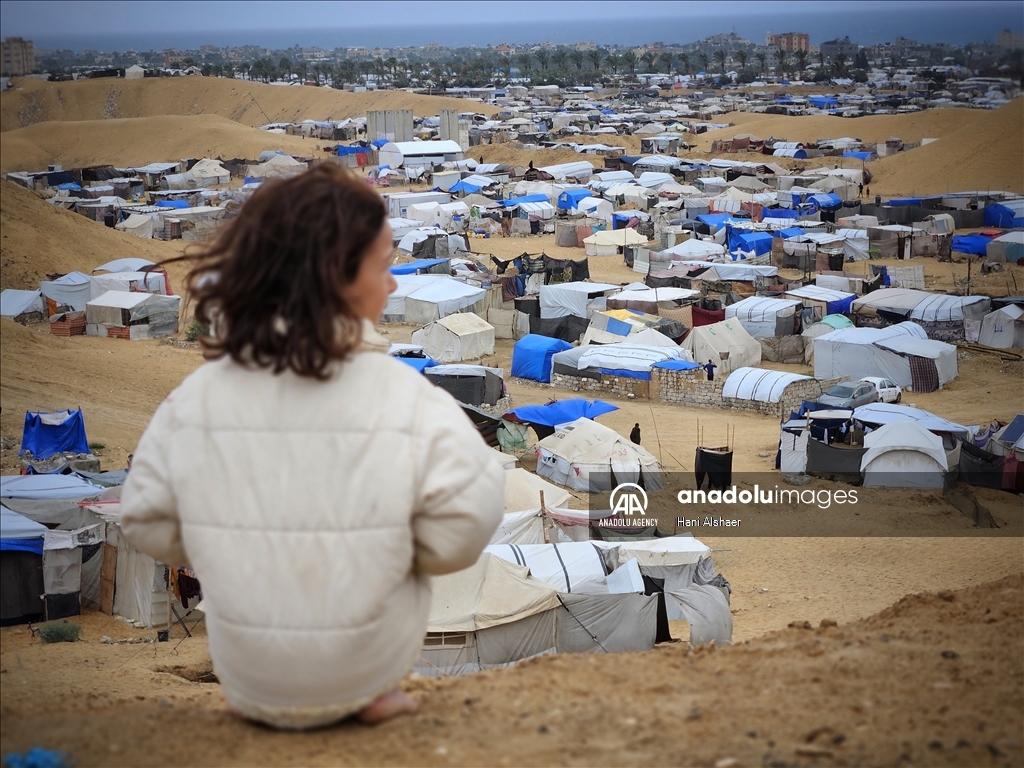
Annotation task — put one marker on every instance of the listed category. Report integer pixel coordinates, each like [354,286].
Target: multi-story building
[832,48]
[1009,40]
[789,41]
[19,57]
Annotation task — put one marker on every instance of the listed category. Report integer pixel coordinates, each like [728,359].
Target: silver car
[850,394]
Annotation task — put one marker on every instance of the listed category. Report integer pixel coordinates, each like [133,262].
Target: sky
[141,25]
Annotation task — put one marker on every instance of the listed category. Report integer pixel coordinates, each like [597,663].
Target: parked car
[850,394]
[888,390]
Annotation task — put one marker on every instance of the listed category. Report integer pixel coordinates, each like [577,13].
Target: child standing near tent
[313,483]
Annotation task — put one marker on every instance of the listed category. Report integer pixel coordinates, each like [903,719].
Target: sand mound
[137,141]
[937,682]
[249,103]
[986,153]
[39,239]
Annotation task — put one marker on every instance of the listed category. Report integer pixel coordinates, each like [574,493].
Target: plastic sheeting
[52,487]
[14,302]
[573,567]
[531,357]
[456,337]
[72,290]
[706,610]
[569,298]
[878,414]
[46,434]
[764,386]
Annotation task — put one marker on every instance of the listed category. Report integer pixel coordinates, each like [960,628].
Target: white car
[888,390]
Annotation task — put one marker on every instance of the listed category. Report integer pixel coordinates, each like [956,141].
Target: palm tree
[630,59]
[666,58]
[577,60]
[285,66]
[782,62]
[648,58]
[741,57]
[543,58]
[703,59]
[719,57]
[525,62]
[505,60]
[614,61]
[684,63]
[558,58]
[595,56]
[761,59]
[840,64]
[801,61]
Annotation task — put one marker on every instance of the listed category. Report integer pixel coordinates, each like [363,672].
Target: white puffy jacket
[313,514]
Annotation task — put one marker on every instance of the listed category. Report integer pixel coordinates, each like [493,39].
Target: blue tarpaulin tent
[788,232]
[570,197]
[905,201]
[823,102]
[465,185]
[826,202]
[46,434]
[676,365]
[345,151]
[758,242]
[562,411]
[715,220]
[419,363]
[1008,214]
[378,143]
[780,213]
[413,267]
[531,356]
[973,244]
[859,155]
[173,204]
[524,199]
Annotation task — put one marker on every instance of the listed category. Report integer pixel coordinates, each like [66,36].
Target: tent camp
[900,352]
[903,455]
[764,317]
[584,448]
[531,356]
[727,344]
[422,299]
[1003,328]
[132,315]
[610,242]
[457,337]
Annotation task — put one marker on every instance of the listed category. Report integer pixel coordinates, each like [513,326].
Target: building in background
[832,48]
[789,41]
[19,57]
[1010,41]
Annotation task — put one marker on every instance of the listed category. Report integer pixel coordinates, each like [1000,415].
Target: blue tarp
[905,201]
[822,102]
[779,213]
[72,186]
[419,363]
[826,202]
[531,356]
[524,199]
[562,411]
[716,220]
[378,143]
[345,151]
[841,307]
[466,186]
[676,365]
[788,232]
[35,546]
[45,440]
[859,155]
[629,159]
[623,373]
[973,244]
[570,197]
[758,242]
[173,204]
[1003,216]
[413,267]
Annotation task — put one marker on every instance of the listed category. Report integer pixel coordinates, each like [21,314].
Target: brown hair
[271,279]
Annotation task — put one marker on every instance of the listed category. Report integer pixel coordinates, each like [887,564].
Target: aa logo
[627,499]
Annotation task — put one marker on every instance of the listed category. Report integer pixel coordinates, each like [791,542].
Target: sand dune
[141,140]
[249,103]
[39,239]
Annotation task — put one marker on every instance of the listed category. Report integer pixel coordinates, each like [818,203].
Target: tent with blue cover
[514,201]
[976,245]
[420,267]
[47,487]
[569,198]
[531,356]
[749,244]
[172,204]
[1008,214]
[863,156]
[826,202]
[544,418]
[46,434]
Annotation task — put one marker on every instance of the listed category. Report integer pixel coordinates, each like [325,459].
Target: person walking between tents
[709,368]
[635,434]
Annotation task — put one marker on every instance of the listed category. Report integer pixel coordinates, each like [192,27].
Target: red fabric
[707,316]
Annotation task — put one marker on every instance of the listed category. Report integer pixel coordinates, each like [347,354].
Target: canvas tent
[1003,328]
[764,386]
[1006,248]
[127,282]
[457,337]
[879,414]
[139,224]
[470,384]
[584,448]
[903,455]
[422,299]
[564,299]
[132,315]
[727,344]
[764,317]
[72,290]
[16,303]
[923,306]
[694,249]
[610,242]
[277,166]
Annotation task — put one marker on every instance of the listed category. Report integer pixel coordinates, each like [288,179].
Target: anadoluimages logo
[627,499]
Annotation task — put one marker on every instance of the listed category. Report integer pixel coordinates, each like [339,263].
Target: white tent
[523,489]
[858,352]
[630,355]
[564,299]
[609,242]
[437,299]
[15,302]
[903,455]
[71,290]
[1003,328]
[139,224]
[127,264]
[132,315]
[921,305]
[210,172]
[725,343]
[764,386]
[573,567]
[699,250]
[816,296]
[455,243]
[583,448]
[276,166]
[764,317]
[596,208]
[454,338]
[878,414]
[127,282]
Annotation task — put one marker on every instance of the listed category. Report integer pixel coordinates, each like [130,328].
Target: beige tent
[610,242]
[278,165]
[584,456]
[210,172]
[523,489]
[138,224]
[454,338]
[727,344]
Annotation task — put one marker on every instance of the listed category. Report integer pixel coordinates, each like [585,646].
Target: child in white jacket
[312,482]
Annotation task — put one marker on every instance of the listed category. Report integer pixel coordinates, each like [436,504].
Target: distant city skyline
[109,26]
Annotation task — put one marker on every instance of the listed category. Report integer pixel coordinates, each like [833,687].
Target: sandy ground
[933,679]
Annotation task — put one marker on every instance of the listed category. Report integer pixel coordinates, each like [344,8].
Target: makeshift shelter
[827,324]
[764,317]
[419,154]
[617,325]
[532,354]
[46,434]
[422,299]
[22,306]
[210,172]
[878,414]
[909,304]
[132,315]
[1003,328]
[1007,248]
[21,568]
[127,282]
[71,291]
[824,300]
[544,419]
[1006,214]
[587,456]
[456,337]
[277,166]
[564,299]
[610,242]
[727,344]
[141,225]
[640,298]
[901,353]
[469,384]
[1009,440]
[759,384]
[903,455]
[696,250]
